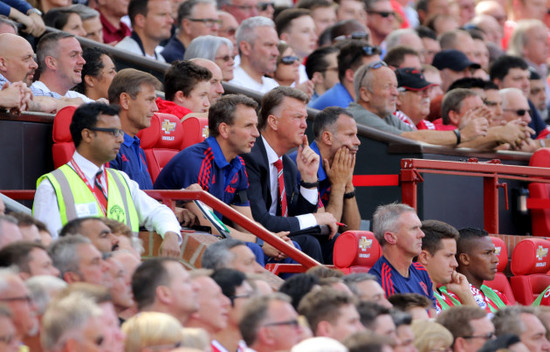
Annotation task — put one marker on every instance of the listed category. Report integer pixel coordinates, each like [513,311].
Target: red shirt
[112,34]
[170,107]
[441,127]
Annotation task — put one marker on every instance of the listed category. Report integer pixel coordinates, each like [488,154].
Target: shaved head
[16,59]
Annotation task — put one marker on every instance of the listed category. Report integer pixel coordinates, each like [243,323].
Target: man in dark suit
[287,206]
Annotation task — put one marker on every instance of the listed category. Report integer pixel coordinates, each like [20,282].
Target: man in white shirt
[84,187]
[257,42]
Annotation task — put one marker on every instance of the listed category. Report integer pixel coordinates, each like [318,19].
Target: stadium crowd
[454,73]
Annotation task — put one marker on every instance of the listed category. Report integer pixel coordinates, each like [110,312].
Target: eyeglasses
[27,299]
[488,336]
[490,102]
[293,323]
[262,6]
[288,60]
[209,22]
[335,69]
[233,298]
[117,132]
[225,58]
[7,339]
[519,112]
[373,66]
[384,14]
[354,35]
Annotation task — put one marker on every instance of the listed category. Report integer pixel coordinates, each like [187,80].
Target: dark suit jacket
[260,196]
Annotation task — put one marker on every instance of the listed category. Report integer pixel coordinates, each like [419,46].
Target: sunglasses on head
[373,66]
[519,112]
[289,60]
[354,35]
[384,14]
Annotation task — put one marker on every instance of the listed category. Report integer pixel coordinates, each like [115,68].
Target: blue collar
[219,158]
[128,141]
[321,174]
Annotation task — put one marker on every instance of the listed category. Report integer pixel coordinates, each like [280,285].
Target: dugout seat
[63,146]
[356,251]
[501,282]
[540,218]
[530,262]
[161,141]
[195,130]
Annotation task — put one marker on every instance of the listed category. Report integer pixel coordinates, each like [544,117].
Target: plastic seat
[63,146]
[501,282]
[356,251]
[530,262]
[195,129]
[540,218]
[161,141]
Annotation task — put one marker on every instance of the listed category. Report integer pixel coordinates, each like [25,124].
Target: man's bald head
[16,59]
[216,88]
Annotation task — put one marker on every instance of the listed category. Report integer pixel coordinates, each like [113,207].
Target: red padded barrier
[195,129]
[500,281]
[540,218]
[530,262]
[356,251]
[63,146]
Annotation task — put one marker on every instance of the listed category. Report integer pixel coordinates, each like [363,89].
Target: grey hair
[519,36]
[218,255]
[385,219]
[358,83]
[394,38]
[64,253]
[5,275]
[83,11]
[506,92]
[9,219]
[66,319]
[353,279]
[5,20]
[206,47]
[48,46]
[507,321]
[246,31]
[42,288]
[452,101]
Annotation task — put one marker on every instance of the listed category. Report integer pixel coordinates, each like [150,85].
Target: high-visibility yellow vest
[75,199]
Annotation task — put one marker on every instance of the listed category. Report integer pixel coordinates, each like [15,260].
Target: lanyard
[94,190]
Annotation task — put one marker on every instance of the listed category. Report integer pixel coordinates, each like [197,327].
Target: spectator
[352,55]
[185,95]
[90,22]
[24,13]
[151,330]
[282,123]
[134,92]
[429,42]
[95,230]
[406,37]
[217,49]
[97,73]
[11,342]
[60,62]
[465,323]
[163,285]
[417,305]
[151,24]
[93,150]
[459,40]
[428,9]
[240,9]
[287,72]
[330,313]
[365,288]
[369,341]
[515,108]
[524,323]
[322,70]
[351,10]
[413,102]
[491,29]
[537,94]
[27,227]
[9,231]
[297,28]
[228,28]
[110,15]
[269,323]
[509,342]
[431,336]
[338,33]
[453,65]
[380,19]
[377,319]
[299,285]
[323,13]
[336,143]
[403,57]
[30,259]
[405,335]
[65,19]
[7,25]
[216,88]
[232,254]
[121,289]
[257,42]
[195,18]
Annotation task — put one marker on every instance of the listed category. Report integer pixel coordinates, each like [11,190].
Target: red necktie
[98,190]
[281,180]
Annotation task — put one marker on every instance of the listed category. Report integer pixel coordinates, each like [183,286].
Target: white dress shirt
[39,88]
[152,214]
[241,78]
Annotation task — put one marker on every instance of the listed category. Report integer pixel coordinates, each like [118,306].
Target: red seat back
[540,218]
[63,146]
[500,281]
[161,141]
[195,129]
[530,262]
[356,251]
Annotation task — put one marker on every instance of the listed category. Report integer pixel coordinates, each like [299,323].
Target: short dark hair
[92,67]
[457,319]
[463,245]
[327,118]
[184,76]
[18,254]
[224,110]
[129,81]
[228,280]
[284,19]
[468,83]
[452,101]
[151,274]
[184,11]
[58,17]
[351,55]
[137,7]
[406,301]
[316,61]
[74,226]
[274,98]
[435,231]
[297,286]
[323,305]
[369,311]
[396,55]
[313,4]
[425,32]
[86,116]
[501,66]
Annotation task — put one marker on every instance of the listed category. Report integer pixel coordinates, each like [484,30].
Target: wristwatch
[36,11]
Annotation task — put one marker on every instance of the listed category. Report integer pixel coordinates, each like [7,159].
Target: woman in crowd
[217,49]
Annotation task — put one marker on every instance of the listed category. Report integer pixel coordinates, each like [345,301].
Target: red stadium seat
[195,129]
[540,218]
[161,141]
[501,282]
[356,251]
[63,146]
[530,262]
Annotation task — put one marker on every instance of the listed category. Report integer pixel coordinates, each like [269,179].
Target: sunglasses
[262,6]
[293,323]
[519,112]
[488,336]
[384,14]
[373,66]
[225,58]
[354,35]
[289,60]
[209,22]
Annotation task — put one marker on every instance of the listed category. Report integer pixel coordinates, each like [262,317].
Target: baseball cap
[454,59]
[412,79]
